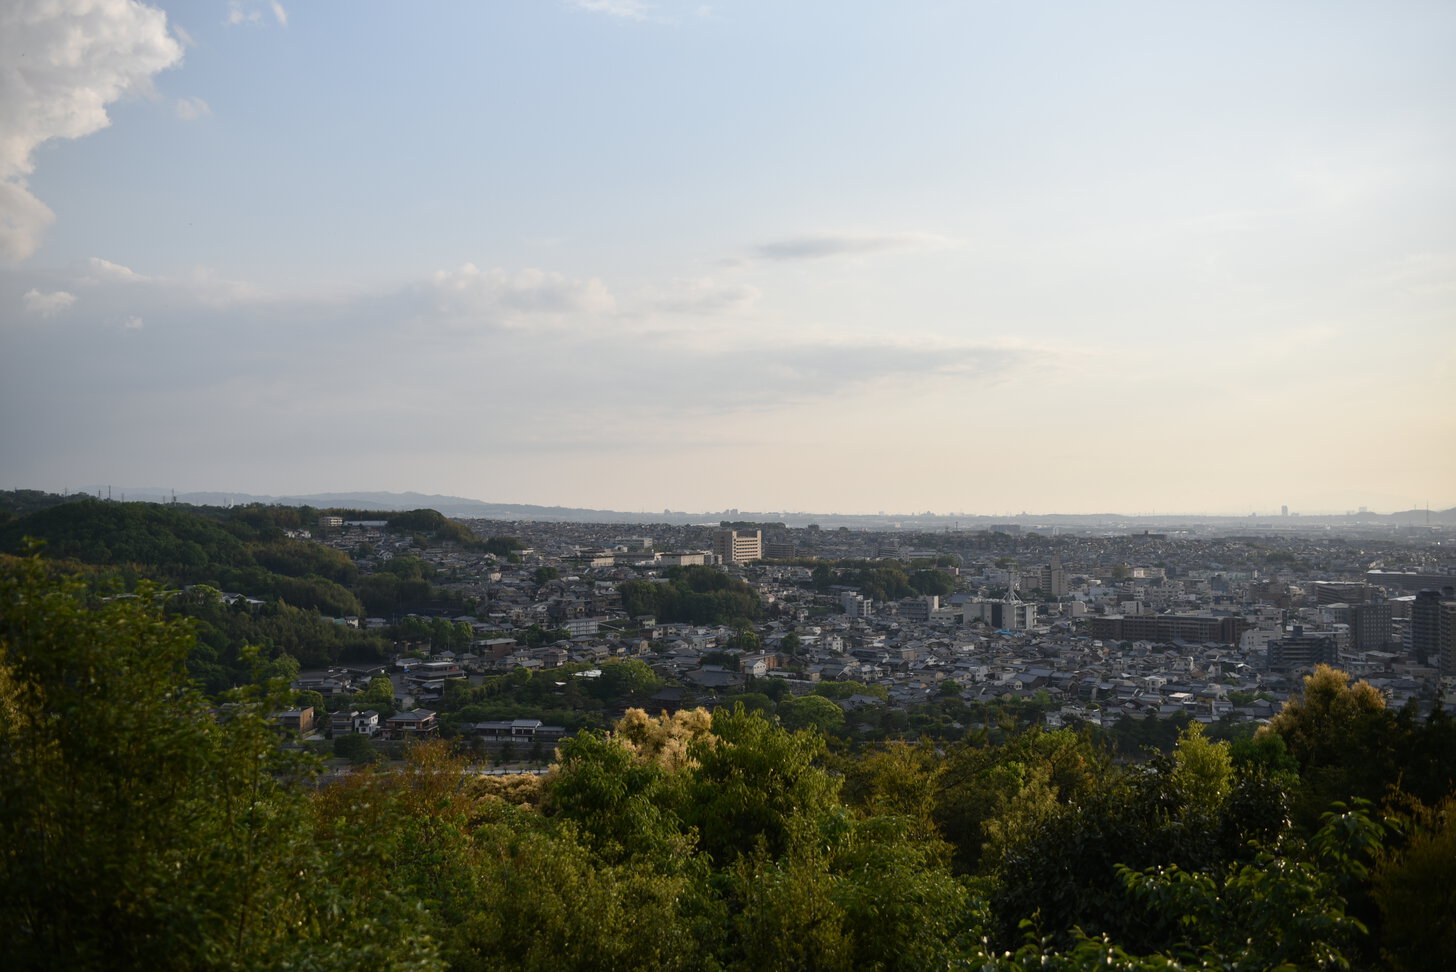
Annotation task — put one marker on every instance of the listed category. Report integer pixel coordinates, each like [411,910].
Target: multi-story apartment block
[738,546]
[1300,650]
[1425,625]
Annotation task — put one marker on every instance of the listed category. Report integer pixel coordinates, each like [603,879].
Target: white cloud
[819,247]
[237,15]
[131,323]
[498,296]
[628,9]
[61,63]
[703,295]
[104,271]
[191,109]
[251,12]
[47,304]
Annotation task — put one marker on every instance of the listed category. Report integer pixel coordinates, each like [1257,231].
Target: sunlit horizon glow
[633,255]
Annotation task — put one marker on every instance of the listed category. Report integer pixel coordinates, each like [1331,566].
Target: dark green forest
[292,588]
[696,594]
[144,824]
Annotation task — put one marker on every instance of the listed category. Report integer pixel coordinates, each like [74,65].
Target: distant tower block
[1284,510]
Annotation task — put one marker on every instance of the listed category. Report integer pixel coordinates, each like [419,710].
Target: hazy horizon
[637,255]
[152,493]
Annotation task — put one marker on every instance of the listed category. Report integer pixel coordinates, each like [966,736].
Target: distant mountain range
[457,506]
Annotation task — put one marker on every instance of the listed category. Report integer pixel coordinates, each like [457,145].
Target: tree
[1343,738]
[932,582]
[1415,887]
[141,829]
[380,692]
[629,680]
[753,781]
[355,747]
[811,711]
[1203,771]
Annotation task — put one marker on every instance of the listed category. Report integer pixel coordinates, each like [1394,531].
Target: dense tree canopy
[695,594]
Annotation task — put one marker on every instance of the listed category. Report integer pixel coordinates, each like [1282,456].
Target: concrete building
[1302,651]
[738,546]
[1006,614]
[1370,625]
[780,551]
[1337,592]
[1052,579]
[1169,627]
[1425,624]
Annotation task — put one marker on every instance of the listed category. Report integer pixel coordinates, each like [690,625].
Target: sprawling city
[674,703]
[582,485]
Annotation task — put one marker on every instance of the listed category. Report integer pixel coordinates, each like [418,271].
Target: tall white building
[738,546]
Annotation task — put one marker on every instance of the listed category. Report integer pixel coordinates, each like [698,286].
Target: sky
[957,256]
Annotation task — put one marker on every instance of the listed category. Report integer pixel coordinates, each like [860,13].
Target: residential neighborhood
[1088,627]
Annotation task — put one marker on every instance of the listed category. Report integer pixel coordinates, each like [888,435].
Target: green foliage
[751,784]
[140,829]
[535,636]
[811,711]
[184,546]
[935,582]
[624,682]
[502,546]
[431,523]
[843,690]
[355,747]
[1202,774]
[989,795]
[1415,886]
[615,798]
[694,594]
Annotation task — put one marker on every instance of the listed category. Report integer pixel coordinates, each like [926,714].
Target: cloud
[241,12]
[61,63]
[104,271]
[501,297]
[191,109]
[236,14]
[775,376]
[47,304]
[702,295]
[131,323]
[850,244]
[627,9]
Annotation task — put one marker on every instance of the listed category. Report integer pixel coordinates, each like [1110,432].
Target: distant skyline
[633,255]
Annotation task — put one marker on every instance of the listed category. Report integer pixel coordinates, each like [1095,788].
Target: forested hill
[246,549]
[297,586]
[231,549]
[169,539]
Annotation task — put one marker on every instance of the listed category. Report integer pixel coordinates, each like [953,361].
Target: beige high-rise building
[738,546]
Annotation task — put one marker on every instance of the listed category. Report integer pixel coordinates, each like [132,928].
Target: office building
[738,546]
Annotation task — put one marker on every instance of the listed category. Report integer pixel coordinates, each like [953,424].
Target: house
[365,723]
[297,720]
[526,730]
[416,724]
